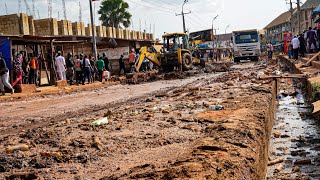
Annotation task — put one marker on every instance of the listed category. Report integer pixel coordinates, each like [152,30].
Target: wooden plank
[312,59]
[299,76]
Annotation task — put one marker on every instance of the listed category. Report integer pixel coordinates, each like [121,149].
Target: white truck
[246,45]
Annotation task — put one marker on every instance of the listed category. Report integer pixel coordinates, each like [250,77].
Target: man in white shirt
[296,44]
[61,66]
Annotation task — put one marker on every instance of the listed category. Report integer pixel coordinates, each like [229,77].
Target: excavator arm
[145,54]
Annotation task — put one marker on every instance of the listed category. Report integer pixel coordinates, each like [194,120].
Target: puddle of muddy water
[295,139]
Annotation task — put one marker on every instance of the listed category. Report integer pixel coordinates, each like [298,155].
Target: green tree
[114,13]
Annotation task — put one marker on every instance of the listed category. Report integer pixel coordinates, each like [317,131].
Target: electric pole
[299,16]
[94,41]
[182,14]
[213,34]
[291,18]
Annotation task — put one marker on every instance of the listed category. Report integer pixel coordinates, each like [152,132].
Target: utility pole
[64,9]
[19,7]
[80,12]
[213,34]
[299,16]
[5,5]
[225,32]
[33,9]
[182,14]
[291,19]
[94,41]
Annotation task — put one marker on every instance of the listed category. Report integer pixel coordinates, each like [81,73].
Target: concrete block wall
[89,30]
[46,27]
[70,31]
[144,35]
[63,28]
[104,31]
[24,24]
[151,36]
[109,32]
[83,29]
[126,34]
[119,33]
[32,30]
[99,31]
[133,35]
[10,24]
[76,29]
[114,32]
[140,35]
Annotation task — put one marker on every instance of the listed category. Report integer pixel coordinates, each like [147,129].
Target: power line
[151,7]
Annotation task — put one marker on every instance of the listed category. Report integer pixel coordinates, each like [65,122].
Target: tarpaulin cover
[5,49]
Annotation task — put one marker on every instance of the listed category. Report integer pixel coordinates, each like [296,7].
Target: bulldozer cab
[173,42]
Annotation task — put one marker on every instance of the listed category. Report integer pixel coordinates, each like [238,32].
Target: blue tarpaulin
[5,49]
[316,10]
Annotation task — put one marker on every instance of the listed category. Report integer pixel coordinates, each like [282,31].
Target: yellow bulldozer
[175,53]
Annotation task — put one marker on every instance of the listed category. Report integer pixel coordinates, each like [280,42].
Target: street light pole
[182,13]
[94,40]
[225,32]
[212,31]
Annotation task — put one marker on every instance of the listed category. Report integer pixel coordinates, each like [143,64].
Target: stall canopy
[5,49]
[316,12]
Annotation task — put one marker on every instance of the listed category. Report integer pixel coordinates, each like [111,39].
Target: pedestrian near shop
[61,66]
[4,76]
[295,46]
[77,69]
[18,71]
[86,70]
[302,48]
[101,67]
[70,68]
[132,60]
[311,37]
[106,61]
[33,70]
[121,65]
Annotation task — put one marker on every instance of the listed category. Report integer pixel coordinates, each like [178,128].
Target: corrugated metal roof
[310,4]
[284,17]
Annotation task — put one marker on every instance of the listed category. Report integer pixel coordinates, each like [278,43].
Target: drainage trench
[294,151]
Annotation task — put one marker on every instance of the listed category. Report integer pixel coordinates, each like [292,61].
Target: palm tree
[114,13]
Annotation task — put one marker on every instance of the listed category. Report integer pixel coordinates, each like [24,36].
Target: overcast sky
[161,14]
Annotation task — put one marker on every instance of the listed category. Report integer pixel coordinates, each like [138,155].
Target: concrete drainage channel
[295,139]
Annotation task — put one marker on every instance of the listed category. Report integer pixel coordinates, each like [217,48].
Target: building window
[307,25]
[306,15]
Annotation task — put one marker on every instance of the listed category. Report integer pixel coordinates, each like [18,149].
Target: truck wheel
[236,59]
[186,62]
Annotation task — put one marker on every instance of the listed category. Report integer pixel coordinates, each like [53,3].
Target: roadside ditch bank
[295,136]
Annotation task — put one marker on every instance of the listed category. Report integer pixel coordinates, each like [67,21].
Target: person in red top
[33,70]
[132,60]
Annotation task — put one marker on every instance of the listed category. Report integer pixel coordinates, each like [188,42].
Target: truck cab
[246,45]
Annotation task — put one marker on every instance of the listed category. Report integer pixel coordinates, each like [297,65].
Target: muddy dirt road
[159,130]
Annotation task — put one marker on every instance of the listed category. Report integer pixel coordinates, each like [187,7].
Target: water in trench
[295,142]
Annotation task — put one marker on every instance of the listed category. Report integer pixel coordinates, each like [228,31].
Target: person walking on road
[132,60]
[106,61]
[296,44]
[302,48]
[4,76]
[70,68]
[33,70]
[121,65]
[77,69]
[61,66]
[311,37]
[100,67]
[86,69]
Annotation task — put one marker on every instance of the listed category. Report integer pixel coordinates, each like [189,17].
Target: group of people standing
[84,67]
[306,42]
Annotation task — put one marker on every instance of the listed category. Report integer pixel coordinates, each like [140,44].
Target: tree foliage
[114,13]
